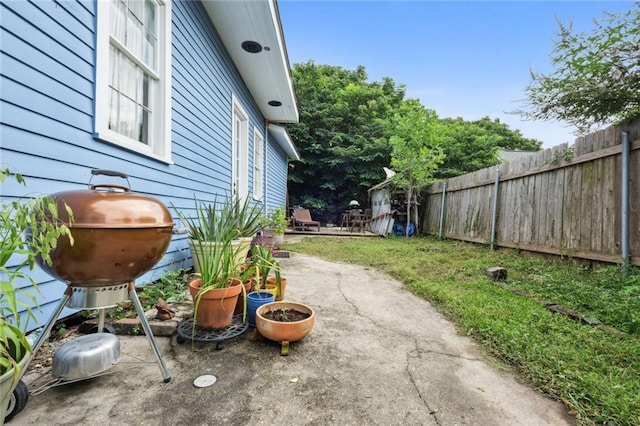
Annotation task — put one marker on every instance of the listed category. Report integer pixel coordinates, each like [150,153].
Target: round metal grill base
[186,332]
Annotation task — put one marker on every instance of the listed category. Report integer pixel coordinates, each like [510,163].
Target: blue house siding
[276,176]
[47,80]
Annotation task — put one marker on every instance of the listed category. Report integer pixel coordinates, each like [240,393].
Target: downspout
[624,188]
[444,192]
[264,168]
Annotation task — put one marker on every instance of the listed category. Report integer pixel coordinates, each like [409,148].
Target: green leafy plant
[264,262]
[171,287]
[226,219]
[277,220]
[29,230]
[595,77]
[212,234]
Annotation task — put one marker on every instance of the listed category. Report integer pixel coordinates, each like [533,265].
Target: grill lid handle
[106,172]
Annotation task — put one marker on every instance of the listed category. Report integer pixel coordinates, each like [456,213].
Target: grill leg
[101,317]
[147,330]
[52,320]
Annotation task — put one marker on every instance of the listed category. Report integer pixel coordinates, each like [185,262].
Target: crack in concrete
[398,332]
[416,349]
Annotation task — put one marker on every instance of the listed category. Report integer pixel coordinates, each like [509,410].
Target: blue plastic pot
[256,299]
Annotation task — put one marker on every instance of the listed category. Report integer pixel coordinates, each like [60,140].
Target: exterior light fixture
[275,103]
[251,46]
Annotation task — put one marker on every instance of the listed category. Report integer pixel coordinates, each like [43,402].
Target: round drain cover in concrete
[204,381]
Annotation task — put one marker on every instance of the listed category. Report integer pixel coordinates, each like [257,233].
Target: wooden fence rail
[561,201]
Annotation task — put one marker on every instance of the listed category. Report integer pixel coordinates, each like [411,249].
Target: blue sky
[466,59]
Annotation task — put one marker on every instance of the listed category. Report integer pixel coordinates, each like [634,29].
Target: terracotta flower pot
[215,307]
[284,332]
[283,286]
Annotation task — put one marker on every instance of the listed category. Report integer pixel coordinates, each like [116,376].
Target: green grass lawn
[594,371]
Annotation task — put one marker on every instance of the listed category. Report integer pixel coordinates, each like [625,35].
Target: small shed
[389,209]
[382,219]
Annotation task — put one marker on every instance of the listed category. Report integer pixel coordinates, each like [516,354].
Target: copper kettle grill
[118,236]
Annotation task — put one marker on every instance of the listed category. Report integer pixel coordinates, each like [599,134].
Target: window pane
[143,116]
[128,124]
[150,51]
[134,35]
[118,20]
[128,77]
[113,110]
[150,17]
[137,8]
[114,57]
[150,42]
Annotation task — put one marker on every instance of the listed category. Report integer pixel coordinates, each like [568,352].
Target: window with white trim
[133,76]
[240,148]
[258,164]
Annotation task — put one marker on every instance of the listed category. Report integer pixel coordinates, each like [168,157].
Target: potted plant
[284,322]
[235,219]
[262,264]
[218,284]
[276,225]
[18,254]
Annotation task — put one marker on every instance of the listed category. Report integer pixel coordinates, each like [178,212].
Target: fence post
[494,213]
[444,191]
[624,188]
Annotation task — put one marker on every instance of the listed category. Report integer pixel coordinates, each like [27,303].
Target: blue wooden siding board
[41,82]
[28,31]
[192,119]
[19,50]
[49,108]
[28,121]
[73,16]
[52,70]
[84,10]
[276,175]
[197,33]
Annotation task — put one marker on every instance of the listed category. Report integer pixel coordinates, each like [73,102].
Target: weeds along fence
[564,200]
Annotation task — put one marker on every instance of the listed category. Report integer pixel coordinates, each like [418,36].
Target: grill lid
[112,206]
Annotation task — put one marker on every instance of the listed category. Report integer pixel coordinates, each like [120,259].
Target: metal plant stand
[187,331]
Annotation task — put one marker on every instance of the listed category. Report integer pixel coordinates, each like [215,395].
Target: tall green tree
[596,74]
[415,150]
[467,147]
[507,138]
[473,145]
[342,137]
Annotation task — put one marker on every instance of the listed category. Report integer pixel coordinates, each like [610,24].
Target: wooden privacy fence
[557,201]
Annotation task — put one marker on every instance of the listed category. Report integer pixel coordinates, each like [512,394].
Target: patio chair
[302,219]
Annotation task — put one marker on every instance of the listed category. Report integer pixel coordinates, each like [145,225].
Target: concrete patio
[377,355]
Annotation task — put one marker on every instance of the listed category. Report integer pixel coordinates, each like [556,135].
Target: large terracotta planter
[283,286]
[214,308]
[284,332]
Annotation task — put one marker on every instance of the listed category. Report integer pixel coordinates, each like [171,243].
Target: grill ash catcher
[118,236]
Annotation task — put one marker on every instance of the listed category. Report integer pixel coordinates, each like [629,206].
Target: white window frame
[159,137]
[239,151]
[258,165]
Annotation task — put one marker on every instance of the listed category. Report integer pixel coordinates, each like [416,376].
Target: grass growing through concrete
[595,372]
